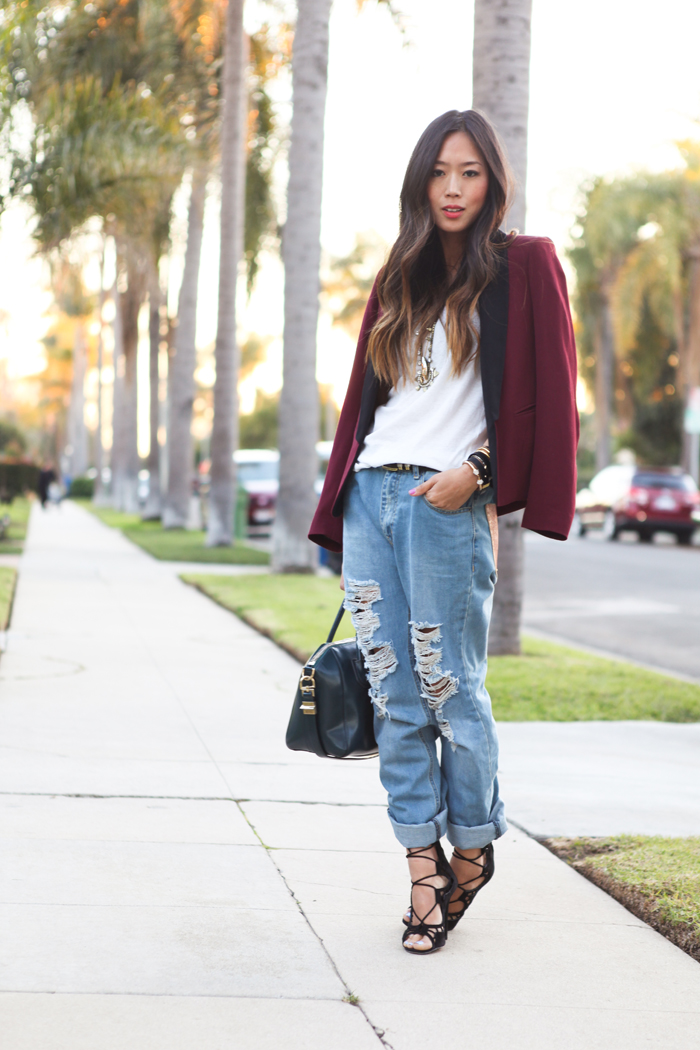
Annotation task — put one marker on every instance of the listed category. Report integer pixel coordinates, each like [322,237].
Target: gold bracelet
[479,482]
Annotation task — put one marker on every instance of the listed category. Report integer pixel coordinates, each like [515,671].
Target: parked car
[258,473]
[644,500]
[323,451]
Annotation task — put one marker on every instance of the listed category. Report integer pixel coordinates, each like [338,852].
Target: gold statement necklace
[426,374]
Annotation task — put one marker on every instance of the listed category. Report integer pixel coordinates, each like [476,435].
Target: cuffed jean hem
[475,838]
[414,835]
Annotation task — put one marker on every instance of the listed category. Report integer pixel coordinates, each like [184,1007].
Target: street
[640,601]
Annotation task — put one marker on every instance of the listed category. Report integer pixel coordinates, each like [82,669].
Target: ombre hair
[414,286]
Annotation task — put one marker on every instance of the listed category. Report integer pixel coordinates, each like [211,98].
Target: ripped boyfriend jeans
[419,587]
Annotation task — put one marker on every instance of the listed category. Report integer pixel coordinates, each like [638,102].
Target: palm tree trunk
[501,82]
[125,469]
[224,435]
[504,633]
[116,454]
[152,510]
[605,353]
[98,496]
[182,365]
[77,431]
[299,406]
[501,78]
[690,357]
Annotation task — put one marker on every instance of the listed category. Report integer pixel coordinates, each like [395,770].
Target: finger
[422,489]
[342,581]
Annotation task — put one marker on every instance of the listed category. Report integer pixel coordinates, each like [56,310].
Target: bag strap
[336,622]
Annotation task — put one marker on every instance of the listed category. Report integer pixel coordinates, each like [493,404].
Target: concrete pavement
[174,878]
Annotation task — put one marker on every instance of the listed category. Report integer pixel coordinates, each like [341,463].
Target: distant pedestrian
[461,406]
[47,477]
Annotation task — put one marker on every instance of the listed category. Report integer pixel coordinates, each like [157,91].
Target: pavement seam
[349,996]
[195,798]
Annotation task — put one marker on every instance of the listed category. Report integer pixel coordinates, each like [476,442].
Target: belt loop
[416,472]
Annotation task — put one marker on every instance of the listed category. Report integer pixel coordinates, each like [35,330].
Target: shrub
[16,479]
[82,488]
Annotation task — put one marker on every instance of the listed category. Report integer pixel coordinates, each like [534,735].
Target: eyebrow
[462,164]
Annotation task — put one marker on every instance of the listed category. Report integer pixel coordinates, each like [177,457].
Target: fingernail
[411,492]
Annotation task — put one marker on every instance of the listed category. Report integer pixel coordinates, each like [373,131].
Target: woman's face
[458,185]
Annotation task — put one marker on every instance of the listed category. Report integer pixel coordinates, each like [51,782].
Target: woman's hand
[449,489]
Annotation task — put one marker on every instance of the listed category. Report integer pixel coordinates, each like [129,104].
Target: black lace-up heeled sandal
[435,932]
[465,896]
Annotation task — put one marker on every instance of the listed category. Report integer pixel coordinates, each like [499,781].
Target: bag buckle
[307,688]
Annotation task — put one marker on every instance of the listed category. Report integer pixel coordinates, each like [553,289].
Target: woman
[461,406]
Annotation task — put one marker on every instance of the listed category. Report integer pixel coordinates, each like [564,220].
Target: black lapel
[493,315]
[374,393]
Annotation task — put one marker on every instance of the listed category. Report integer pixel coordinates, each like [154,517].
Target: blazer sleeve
[552,490]
[327,528]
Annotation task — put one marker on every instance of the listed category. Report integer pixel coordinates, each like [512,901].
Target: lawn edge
[605,654]
[11,602]
[632,899]
[266,632]
[124,530]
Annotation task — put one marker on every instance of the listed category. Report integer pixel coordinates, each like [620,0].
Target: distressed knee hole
[379,657]
[437,685]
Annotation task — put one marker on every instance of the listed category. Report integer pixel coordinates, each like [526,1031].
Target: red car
[644,500]
[258,473]
[661,500]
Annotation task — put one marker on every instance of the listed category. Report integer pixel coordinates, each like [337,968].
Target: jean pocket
[449,513]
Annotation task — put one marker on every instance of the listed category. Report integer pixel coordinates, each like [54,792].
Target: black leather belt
[410,467]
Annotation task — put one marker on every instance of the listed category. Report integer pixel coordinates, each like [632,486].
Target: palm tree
[301,251]
[224,437]
[501,77]
[153,509]
[636,253]
[612,216]
[182,365]
[125,455]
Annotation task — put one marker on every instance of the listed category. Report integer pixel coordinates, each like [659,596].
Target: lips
[453,212]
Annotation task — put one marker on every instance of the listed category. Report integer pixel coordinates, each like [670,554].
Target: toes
[421,943]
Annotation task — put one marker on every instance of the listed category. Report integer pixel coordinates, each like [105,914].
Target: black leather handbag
[332,716]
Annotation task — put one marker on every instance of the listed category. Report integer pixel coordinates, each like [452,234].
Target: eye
[471,173]
[437,173]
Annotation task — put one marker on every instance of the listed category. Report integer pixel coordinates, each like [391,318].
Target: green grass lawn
[657,879]
[295,611]
[18,512]
[548,682]
[175,544]
[8,578]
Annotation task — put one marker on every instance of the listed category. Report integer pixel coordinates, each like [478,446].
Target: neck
[453,245]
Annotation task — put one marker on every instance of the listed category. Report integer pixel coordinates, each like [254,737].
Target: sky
[613,84]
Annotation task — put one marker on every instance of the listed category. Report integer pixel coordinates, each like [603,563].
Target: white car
[594,504]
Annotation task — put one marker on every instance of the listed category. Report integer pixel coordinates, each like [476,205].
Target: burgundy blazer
[528,374]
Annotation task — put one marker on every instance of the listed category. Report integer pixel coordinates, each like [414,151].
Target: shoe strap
[483,855]
[472,860]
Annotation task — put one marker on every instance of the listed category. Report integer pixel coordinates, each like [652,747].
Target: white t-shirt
[437,427]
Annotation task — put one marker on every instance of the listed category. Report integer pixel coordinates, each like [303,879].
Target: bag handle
[336,622]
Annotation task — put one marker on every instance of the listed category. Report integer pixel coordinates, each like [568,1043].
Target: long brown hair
[414,285]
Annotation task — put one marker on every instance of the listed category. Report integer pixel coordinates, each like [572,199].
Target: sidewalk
[142,769]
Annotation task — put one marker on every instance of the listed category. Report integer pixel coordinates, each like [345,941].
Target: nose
[454,185]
